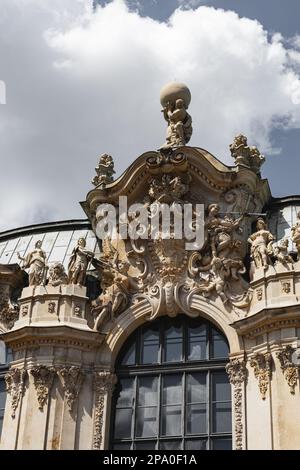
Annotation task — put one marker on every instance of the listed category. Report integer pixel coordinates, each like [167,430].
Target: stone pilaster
[237,373]
[104,383]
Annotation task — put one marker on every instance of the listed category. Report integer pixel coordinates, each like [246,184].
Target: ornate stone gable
[160,269]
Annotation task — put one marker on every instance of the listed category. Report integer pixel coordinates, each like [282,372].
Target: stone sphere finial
[174,91]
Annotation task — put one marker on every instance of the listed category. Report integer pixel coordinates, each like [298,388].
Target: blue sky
[82,82]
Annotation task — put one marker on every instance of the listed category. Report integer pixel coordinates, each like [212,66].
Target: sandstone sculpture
[281,253]
[57,275]
[261,245]
[78,263]
[295,230]
[36,262]
[175,99]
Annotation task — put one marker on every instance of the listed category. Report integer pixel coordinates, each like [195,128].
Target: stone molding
[289,369]
[43,377]
[71,378]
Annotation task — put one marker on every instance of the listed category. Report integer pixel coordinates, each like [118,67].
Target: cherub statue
[57,275]
[261,245]
[281,253]
[36,262]
[295,231]
[179,124]
[114,298]
[78,263]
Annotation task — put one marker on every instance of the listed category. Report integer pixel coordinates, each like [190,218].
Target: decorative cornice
[262,364]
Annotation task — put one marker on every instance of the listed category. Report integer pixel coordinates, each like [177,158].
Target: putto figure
[175,99]
[78,263]
[36,262]
[57,275]
[261,245]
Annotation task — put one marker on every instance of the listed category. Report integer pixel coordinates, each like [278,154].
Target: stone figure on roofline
[175,99]
[281,253]
[78,263]
[295,231]
[57,275]
[261,245]
[36,262]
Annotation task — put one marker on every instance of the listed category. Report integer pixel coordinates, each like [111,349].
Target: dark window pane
[197,343]
[122,446]
[2,394]
[170,445]
[222,444]
[221,417]
[196,387]
[146,422]
[129,356]
[221,389]
[125,393]
[196,419]
[172,390]
[219,345]
[123,423]
[147,391]
[173,344]
[145,445]
[171,420]
[195,444]
[150,346]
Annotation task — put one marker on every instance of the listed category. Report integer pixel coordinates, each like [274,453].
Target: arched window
[172,391]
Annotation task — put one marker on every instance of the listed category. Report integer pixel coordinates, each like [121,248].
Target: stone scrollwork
[289,369]
[43,377]
[104,383]
[262,365]
[15,382]
[105,171]
[237,373]
[71,378]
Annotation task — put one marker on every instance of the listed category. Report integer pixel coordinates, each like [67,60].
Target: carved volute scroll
[72,378]
[289,369]
[262,365]
[15,383]
[43,377]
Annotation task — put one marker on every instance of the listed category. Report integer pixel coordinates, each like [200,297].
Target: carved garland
[290,370]
[103,384]
[262,364]
[71,378]
[43,379]
[237,373]
[15,380]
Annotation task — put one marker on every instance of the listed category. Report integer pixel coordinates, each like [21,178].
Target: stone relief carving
[105,171]
[261,245]
[262,365]
[295,232]
[43,377]
[286,287]
[24,310]
[237,373]
[57,275]
[15,383]
[104,383]
[290,370]
[35,261]
[78,263]
[175,99]
[71,378]
[245,155]
[259,294]
[51,307]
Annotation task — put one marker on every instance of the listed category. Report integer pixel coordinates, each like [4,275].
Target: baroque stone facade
[238,275]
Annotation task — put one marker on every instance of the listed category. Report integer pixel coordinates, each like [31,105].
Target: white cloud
[80,84]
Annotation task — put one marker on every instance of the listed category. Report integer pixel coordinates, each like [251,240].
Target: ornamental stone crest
[43,377]
[72,378]
[15,382]
[262,365]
